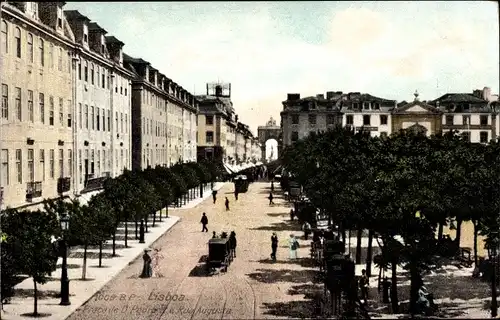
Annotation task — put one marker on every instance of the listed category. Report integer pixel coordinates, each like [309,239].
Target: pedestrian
[214,235]
[363,283]
[204,222]
[232,239]
[227,204]
[236,194]
[214,195]
[306,227]
[147,270]
[157,257]
[270,198]
[292,214]
[293,245]
[274,245]
[272,186]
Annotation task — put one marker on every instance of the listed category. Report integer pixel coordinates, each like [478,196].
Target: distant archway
[270,131]
[271,150]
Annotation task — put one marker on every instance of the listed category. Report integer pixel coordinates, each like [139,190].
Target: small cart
[241,183]
[219,254]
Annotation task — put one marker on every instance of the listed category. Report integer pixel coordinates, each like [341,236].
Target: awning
[84,198]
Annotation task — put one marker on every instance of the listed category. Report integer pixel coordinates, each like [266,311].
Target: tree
[102,221]
[158,177]
[35,249]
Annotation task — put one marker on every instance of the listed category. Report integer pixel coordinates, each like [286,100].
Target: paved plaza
[252,288]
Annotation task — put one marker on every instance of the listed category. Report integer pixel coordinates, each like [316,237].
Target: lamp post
[494,252]
[141,232]
[64,220]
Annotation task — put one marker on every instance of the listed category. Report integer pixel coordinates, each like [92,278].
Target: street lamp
[494,303]
[64,220]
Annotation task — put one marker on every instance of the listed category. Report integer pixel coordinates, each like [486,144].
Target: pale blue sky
[269,49]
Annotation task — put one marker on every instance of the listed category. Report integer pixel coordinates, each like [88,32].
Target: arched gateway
[267,132]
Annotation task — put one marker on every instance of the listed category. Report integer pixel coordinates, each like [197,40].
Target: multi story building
[216,123]
[243,136]
[163,118]
[102,88]
[37,102]
[473,115]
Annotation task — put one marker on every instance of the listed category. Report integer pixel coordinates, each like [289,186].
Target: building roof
[130,59]
[75,15]
[113,39]
[95,27]
[459,98]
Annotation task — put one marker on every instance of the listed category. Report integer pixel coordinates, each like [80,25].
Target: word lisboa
[156,296]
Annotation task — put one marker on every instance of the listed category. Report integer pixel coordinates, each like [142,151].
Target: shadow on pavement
[38,315]
[279,214]
[280,226]
[283,275]
[91,255]
[70,266]
[42,294]
[304,262]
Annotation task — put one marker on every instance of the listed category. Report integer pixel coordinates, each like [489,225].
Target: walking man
[214,195]
[363,283]
[270,198]
[306,227]
[274,245]
[204,222]
[227,204]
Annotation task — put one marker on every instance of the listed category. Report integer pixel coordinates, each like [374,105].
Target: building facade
[102,88]
[163,118]
[37,120]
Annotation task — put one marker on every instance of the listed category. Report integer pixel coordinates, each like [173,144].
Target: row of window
[332,119]
[100,77]
[35,161]
[96,162]
[30,51]
[24,109]
[483,120]
[153,127]
[160,157]
[99,119]
[483,136]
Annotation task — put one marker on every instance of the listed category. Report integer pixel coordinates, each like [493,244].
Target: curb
[118,273]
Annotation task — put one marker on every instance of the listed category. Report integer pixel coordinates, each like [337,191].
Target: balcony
[63,185]
[33,190]
[94,184]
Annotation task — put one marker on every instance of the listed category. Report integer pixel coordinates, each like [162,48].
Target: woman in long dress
[293,245]
[157,257]
[147,271]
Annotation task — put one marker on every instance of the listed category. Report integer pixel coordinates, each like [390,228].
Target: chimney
[320,96]
[486,93]
[293,96]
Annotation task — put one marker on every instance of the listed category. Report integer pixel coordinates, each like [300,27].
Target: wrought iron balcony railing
[33,190]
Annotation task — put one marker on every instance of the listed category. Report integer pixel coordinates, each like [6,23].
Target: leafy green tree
[158,178]
[119,193]
[35,249]
[102,221]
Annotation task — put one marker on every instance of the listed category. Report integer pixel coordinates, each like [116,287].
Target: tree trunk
[84,266]
[166,212]
[154,218]
[358,245]
[475,223]
[369,253]
[35,296]
[394,286]
[459,233]
[413,287]
[126,233]
[114,243]
[440,231]
[379,283]
[146,223]
[100,254]
[136,228]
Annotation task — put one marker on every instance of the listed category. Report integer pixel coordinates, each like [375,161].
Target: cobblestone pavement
[253,288]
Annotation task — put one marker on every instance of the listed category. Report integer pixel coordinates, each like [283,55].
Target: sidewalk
[82,290]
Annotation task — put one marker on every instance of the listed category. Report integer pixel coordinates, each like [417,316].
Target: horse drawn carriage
[241,183]
[221,252]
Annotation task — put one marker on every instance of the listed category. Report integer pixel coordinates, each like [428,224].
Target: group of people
[151,266]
